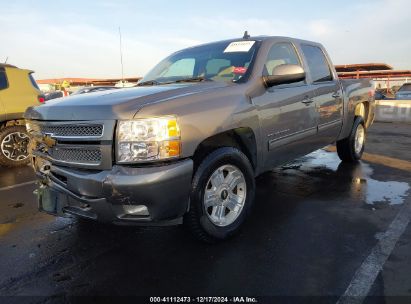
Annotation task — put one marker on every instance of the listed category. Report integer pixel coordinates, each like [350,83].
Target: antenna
[121,58]
[7,58]
[246,36]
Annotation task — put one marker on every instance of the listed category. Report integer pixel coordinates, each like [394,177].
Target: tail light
[41,98]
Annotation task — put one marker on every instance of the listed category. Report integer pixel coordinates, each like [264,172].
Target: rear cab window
[317,63]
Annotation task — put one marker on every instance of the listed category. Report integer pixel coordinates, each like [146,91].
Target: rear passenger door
[328,98]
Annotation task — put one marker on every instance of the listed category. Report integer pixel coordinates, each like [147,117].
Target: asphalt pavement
[321,231]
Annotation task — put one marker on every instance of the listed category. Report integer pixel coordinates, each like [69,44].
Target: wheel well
[362,110]
[240,138]
[14,122]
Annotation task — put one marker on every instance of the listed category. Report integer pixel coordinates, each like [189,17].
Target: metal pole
[388,84]
[121,58]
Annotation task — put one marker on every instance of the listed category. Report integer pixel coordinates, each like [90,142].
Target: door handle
[307,101]
[336,95]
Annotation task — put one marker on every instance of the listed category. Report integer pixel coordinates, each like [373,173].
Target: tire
[350,149]
[13,146]
[228,205]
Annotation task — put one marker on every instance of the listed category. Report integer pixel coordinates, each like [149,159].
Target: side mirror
[285,73]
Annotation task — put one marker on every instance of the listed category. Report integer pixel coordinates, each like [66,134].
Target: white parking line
[17,185]
[367,273]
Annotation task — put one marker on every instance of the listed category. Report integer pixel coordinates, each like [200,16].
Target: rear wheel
[13,146]
[350,149]
[221,196]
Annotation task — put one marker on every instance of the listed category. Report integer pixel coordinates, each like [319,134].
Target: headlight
[147,139]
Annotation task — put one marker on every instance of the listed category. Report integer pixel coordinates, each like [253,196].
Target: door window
[280,53]
[317,63]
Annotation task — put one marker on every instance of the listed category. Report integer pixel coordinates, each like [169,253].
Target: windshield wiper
[192,79]
[155,82]
[148,83]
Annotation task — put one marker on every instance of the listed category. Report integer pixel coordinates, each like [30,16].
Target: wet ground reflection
[356,176]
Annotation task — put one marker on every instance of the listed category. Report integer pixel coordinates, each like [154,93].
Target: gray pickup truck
[185,145]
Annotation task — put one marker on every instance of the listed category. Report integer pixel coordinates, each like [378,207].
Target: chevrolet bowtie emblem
[49,141]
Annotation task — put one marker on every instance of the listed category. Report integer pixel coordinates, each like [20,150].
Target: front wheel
[14,142]
[350,149]
[221,196]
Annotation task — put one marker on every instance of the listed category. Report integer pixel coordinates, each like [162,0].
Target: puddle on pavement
[372,191]
[324,159]
[390,192]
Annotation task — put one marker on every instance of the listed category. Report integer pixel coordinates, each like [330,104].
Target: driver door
[287,114]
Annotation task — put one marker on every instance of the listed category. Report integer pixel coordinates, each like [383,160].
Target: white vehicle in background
[124,84]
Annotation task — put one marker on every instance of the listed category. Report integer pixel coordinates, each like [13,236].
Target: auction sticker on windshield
[239,46]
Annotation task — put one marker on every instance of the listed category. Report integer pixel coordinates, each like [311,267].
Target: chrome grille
[80,144]
[76,155]
[66,130]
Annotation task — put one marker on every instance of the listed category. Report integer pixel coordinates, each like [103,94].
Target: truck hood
[114,104]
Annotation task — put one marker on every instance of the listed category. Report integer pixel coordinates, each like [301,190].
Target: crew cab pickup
[185,145]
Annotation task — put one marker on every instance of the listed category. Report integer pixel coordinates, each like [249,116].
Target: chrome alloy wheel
[359,139]
[14,146]
[225,195]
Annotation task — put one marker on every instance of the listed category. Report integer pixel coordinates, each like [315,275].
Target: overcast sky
[80,38]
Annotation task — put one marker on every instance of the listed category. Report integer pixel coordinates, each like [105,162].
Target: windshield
[222,61]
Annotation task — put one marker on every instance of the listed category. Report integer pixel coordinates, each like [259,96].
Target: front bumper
[157,195]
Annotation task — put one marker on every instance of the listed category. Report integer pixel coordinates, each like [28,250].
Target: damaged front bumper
[155,195]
